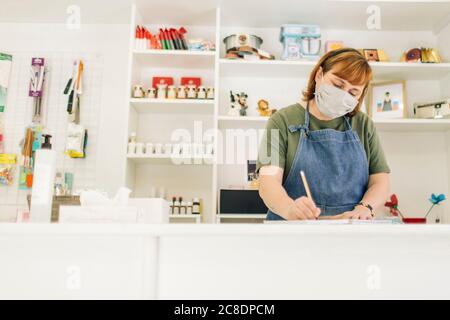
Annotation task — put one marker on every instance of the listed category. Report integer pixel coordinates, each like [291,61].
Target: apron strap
[303,127]
[300,127]
[347,123]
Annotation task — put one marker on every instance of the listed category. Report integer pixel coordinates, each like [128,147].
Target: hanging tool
[76,139]
[36,89]
[74,90]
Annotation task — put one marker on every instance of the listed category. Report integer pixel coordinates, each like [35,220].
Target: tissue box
[98,214]
[151,210]
[139,210]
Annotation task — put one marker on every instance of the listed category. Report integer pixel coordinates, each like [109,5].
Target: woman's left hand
[359,213]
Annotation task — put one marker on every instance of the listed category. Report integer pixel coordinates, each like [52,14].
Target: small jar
[209,149]
[176,207]
[196,206]
[172,205]
[168,149]
[132,144]
[187,150]
[159,149]
[176,149]
[139,148]
[183,207]
[149,150]
[189,207]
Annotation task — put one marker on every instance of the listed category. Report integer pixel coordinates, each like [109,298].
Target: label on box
[162,80]
[187,81]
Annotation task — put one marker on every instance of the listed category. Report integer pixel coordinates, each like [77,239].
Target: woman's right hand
[302,209]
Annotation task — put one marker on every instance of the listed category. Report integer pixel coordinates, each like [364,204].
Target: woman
[328,138]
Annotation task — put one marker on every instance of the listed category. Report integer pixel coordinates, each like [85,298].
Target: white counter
[224,261]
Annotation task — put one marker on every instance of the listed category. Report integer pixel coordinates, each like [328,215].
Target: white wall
[444,50]
[111,43]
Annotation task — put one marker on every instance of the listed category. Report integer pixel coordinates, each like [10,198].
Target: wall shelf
[196,217]
[175,58]
[413,125]
[169,106]
[301,69]
[170,160]
[243,119]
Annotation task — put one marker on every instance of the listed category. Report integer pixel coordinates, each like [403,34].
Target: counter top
[224,261]
[218,229]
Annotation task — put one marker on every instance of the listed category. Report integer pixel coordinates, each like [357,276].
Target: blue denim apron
[335,165]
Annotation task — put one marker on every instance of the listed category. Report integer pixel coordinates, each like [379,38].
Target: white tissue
[122,196]
[90,198]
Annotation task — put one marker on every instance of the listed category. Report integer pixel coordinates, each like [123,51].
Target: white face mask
[333,102]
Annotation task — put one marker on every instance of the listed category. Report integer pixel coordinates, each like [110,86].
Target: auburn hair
[348,64]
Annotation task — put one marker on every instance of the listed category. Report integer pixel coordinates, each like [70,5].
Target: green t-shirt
[288,142]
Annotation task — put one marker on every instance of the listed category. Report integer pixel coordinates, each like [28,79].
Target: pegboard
[19,110]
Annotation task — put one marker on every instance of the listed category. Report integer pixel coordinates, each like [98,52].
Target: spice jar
[196,206]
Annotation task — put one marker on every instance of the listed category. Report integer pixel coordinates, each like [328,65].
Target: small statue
[238,105]
[264,110]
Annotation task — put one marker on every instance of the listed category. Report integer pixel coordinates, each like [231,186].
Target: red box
[162,80]
[415,220]
[186,81]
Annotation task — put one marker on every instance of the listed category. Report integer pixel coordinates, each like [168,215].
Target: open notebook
[336,222]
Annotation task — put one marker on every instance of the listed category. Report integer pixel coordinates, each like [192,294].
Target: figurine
[151,93]
[182,92]
[210,93]
[201,93]
[192,91]
[171,92]
[264,110]
[138,92]
[162,91]
[238,101]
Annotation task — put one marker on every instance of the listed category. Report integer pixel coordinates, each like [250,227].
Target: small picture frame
[387,100]
[371,55]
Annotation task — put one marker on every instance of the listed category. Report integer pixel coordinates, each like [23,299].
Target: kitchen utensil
[239,40]
[300,41]
[433,110]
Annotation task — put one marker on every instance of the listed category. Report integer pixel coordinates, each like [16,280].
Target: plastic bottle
[43,182]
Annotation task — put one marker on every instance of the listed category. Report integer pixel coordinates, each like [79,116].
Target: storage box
[59,201]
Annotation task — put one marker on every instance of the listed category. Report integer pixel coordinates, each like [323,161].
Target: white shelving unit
[185,217]
[418,150]
[171,159]
[177,106]
[283,69]
[382,125]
